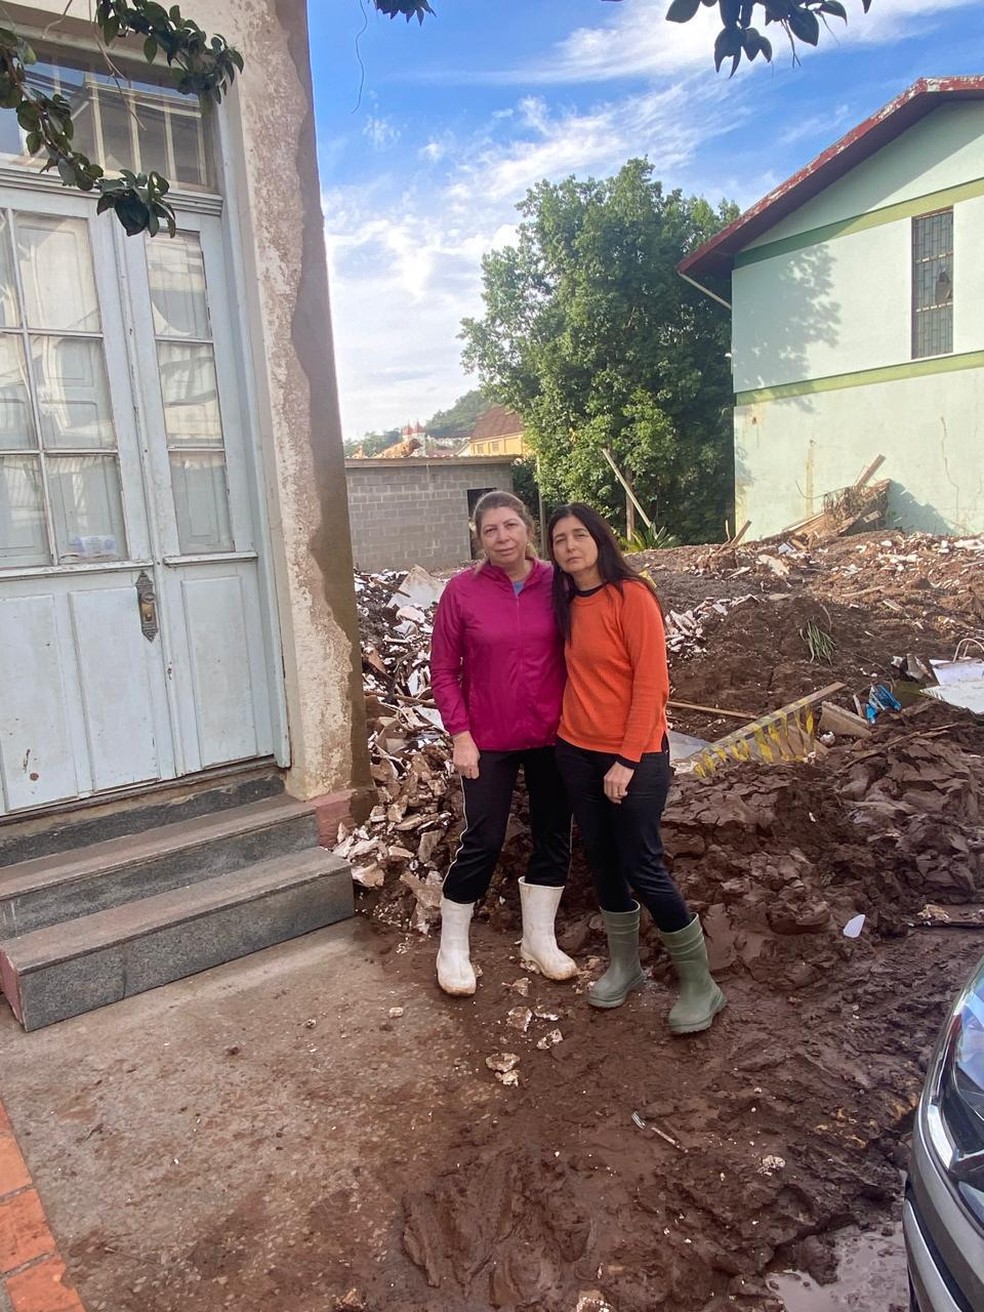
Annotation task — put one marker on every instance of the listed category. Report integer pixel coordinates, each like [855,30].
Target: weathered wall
[415,512]
[269,144]
[822,342]
[788,453]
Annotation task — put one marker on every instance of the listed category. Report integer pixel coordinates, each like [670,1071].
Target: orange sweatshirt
[617,681]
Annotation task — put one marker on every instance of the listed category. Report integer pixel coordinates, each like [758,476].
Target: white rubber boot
[454,969]
[539,949]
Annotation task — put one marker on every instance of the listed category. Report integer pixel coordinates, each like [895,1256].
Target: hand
[465,755]
[617,782]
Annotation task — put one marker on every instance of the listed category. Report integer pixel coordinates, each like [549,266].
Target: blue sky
[429,136]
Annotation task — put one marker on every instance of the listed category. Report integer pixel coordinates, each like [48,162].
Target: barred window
[932,284]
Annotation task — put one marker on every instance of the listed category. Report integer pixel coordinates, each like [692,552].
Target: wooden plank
[733,542]
[628,487]
[745,716]
[837,720]
[866,475]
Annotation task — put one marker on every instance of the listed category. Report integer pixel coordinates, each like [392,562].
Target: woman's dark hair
[612,565]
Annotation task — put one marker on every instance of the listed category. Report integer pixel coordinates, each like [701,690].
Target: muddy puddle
[870,1277]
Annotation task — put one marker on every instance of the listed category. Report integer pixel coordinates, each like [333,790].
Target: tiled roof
[497,422]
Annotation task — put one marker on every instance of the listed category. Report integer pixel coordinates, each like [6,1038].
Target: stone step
[56,888]
[66,969]
[25,837]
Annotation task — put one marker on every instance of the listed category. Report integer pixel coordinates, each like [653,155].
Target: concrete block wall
[416,512]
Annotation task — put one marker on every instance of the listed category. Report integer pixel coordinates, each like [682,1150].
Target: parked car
[943,1213]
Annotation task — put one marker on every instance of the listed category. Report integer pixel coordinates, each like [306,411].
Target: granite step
[60,887]
[63,970]
[26,836]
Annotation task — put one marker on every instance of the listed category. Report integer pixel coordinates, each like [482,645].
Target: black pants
[622,842]
[488,801]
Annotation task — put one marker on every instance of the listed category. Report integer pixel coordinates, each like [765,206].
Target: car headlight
[953,1104]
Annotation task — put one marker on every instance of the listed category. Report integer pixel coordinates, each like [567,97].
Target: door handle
[147,606]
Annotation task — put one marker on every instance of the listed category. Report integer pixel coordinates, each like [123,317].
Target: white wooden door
[200,478]
[130,622]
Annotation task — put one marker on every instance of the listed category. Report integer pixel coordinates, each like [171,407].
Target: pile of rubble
[777,859]
[403,848]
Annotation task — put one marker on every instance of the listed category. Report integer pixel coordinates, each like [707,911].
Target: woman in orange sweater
[613,753]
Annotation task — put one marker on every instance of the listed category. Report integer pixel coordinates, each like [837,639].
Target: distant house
[498,432]
[856,290]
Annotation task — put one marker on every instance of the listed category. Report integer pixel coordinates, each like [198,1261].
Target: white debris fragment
[593,1302]
[520,986]
[519,1018]
[395,1013]
[542,1013]
[854,927]
[369,876]
[550,1040]
[770,1165]
[502,1062]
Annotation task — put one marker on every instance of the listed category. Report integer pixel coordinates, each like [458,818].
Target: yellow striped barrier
[783,735]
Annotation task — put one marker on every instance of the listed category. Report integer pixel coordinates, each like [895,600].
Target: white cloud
[636,42]
[405,258]
[433,151]
[380,131]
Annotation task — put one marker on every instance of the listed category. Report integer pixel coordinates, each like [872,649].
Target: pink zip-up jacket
[497,659]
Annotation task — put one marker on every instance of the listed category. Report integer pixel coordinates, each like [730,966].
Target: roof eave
[714,260]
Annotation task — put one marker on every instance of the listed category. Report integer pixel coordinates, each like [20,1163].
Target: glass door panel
[56,272]
[16,416]
[190,395]
[23,533]
[61,502]
[73,393]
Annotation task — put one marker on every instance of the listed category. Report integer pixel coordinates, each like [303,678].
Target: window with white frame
[119,122]
[932,284]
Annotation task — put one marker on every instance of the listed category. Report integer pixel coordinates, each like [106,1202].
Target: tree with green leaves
[459,420]
[590,334]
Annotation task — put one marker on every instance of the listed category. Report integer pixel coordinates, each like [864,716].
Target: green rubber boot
[700,998]
[624,972]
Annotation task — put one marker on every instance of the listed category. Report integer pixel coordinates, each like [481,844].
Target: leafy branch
[408,8]
[201,65]
[799,19]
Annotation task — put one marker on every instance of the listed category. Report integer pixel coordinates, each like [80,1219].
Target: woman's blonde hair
[497,500]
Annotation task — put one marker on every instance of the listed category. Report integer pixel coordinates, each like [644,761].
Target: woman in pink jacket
[497,673]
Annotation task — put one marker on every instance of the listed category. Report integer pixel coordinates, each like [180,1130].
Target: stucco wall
[810,319]
[844,305]
[788,453]
[415,512]
[272,163]
[944,149]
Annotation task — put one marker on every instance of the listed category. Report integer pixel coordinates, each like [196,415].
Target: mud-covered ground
[300,1134]
[657,1171]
